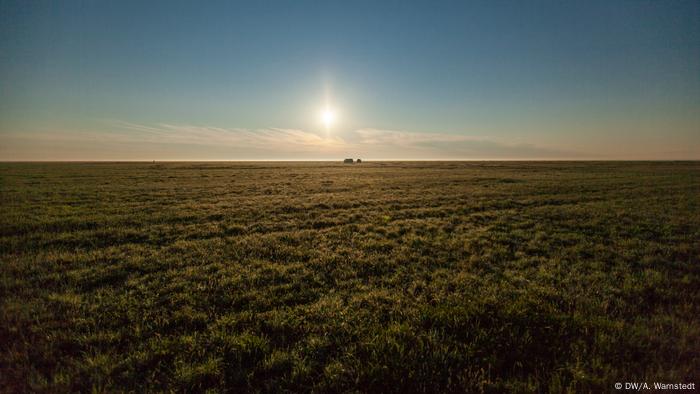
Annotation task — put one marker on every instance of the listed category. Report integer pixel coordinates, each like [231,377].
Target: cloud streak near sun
[166,141]
[366,142]
[268,138]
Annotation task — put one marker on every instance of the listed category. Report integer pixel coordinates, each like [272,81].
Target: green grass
[403,277]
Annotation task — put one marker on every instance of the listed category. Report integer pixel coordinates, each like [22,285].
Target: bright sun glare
[327,117]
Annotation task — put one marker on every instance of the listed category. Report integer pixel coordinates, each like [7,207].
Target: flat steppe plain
[385,276]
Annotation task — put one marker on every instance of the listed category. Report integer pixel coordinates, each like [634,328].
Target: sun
[328,117]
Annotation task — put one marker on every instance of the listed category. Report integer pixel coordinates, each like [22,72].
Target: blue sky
[174,80]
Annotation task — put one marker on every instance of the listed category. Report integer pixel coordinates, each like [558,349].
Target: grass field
[399,277]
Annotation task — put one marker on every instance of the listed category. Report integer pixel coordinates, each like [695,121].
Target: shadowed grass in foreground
[455,276]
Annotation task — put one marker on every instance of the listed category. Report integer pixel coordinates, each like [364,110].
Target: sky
[428,80]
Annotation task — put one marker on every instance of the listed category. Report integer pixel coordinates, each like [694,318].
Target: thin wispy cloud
[268,138]
[369,142]
[166,141]
[405,138]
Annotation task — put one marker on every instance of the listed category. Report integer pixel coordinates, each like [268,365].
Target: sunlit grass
[382,276]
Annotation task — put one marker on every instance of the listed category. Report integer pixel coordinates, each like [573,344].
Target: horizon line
[341,160]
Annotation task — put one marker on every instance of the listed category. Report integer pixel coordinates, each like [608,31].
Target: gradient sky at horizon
[172,80]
